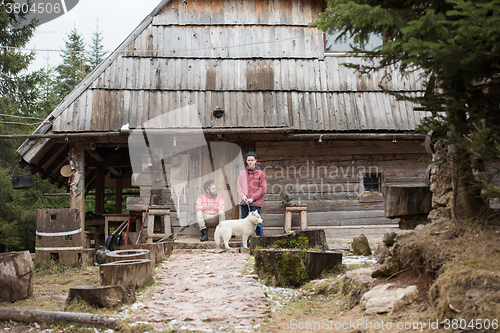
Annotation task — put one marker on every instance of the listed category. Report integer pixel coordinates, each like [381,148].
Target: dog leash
[245,202]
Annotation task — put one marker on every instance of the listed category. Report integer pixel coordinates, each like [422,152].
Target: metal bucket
[22,182]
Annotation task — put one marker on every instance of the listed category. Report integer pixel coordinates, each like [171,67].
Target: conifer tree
[456,44]
[97,54]
[74,66]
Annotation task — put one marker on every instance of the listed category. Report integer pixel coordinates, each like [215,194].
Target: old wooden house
[199,83]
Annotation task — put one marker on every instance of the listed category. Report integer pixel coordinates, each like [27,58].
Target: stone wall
[441,183]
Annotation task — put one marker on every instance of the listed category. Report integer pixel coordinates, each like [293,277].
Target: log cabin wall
[328,177]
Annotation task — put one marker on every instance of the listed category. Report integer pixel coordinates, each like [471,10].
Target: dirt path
[203,291]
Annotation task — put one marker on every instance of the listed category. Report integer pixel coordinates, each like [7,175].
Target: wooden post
[303,219]
[288,222]
[77,191]
[99,190]
[119,195]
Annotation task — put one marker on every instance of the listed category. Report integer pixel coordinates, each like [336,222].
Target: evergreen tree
[18,91]
[97,54]
[457,45]
[74,67]
[48,96]
[19,98]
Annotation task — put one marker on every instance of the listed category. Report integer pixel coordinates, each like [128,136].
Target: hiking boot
[204,235]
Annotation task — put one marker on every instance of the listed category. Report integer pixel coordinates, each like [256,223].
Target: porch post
[77,190]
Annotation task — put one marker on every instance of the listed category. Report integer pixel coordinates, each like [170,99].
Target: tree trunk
[466,201]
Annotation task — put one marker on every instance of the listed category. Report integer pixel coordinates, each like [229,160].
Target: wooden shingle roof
[260,62]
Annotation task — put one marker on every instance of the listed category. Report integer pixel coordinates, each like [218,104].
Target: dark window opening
[371,183]
[54,257]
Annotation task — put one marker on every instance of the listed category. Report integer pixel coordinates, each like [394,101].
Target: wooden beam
[356,136]
[58,160]
[50,157]
[114,171]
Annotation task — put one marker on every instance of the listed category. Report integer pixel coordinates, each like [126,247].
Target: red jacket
[252,184]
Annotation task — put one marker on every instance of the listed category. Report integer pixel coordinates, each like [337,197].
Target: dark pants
[244,213]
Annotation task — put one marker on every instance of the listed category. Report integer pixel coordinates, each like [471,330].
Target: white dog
[241,227]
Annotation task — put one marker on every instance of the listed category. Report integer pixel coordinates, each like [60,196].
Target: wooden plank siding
[327,176]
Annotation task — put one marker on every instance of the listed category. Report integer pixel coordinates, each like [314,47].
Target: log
[25,315]
[104,297]
[16,276]
[400,200]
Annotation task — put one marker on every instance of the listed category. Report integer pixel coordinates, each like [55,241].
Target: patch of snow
[358,260]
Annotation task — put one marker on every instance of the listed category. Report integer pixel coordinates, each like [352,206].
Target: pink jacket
[205,200]
[252,184]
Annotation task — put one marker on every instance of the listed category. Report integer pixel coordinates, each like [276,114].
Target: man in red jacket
[252,185]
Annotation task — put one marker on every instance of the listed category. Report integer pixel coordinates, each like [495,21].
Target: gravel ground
[204,291]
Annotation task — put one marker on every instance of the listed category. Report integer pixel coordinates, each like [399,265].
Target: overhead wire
[166,50]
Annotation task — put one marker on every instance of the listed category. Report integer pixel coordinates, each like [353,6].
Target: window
[371,183]
[343,46]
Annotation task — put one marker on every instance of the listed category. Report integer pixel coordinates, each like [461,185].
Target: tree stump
[104,297]
[293,267]
[16,276]
[136,272]
[281,267]
[316,239]
[319,262]
[159,251]
[130,254]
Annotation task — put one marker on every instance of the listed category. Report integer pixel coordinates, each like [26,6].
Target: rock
[381,253]
[388,268]
[386,298]
[389,238]
[104,297]
[439,213]
[16,276]
[443,200]
[360,246]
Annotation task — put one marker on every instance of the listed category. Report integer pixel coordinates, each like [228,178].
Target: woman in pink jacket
[252,186]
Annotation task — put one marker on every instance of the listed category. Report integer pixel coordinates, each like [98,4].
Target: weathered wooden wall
[327,176]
